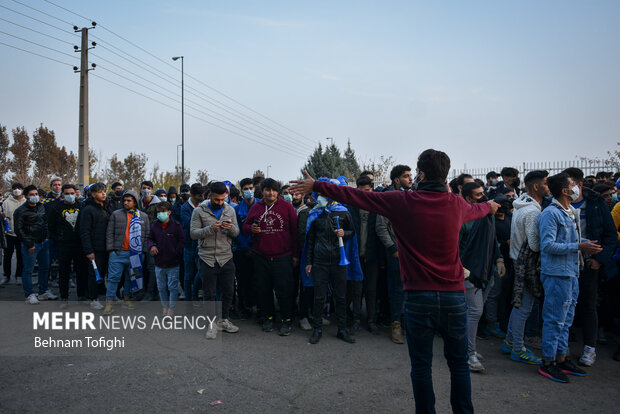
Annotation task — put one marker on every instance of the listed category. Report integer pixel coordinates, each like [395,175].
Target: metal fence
[554,167]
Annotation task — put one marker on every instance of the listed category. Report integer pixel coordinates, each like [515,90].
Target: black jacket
[92,226]
[600,226]
[372,241]
[30,224]
[114,202]
[322,242]
[62,220]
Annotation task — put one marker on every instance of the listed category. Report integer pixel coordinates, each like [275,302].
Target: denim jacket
[559,242]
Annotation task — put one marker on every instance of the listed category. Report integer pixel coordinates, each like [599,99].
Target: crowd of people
[530,257]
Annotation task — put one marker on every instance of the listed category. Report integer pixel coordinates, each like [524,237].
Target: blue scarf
[135,250]
[354,269]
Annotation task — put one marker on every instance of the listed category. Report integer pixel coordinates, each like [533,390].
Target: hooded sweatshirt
[278,224]
[8,207]
[524,225]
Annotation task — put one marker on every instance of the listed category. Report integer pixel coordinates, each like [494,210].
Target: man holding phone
[214,225]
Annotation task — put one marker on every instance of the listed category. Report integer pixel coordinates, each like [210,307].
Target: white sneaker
[326,322]
[32,299]
[47,295]
[474,364]
[95,304]
[4,281]
[211,332]
[480,357]
[304,324]
[589,356]
[18,280]
[72,284]
[227,326]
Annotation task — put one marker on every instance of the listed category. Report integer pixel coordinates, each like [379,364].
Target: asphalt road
[252,371]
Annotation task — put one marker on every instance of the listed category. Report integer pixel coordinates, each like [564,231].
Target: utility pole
[182,118]
[83,162]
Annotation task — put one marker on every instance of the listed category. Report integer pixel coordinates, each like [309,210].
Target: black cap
[492,174]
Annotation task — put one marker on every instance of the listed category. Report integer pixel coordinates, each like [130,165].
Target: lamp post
[269,166]
[182,119]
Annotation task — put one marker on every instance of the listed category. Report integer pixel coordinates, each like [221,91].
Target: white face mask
[575,194]
[70,198]
[17,192]
[163,198]
[33,199]
[321,201]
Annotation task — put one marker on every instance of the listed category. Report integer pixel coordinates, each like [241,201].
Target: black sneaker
[354,328]
[344,335]
[568,367]
[373,328]
[268,324]
[316,336]
[286,328]
[553,372]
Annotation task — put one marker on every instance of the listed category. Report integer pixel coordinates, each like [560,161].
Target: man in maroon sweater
[426,224]
[273,224]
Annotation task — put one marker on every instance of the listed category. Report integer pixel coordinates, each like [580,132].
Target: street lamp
[182,119]
[269,166]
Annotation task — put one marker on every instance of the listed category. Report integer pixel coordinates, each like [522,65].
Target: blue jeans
[168,285]
[427,313]
[118,265]
[558,311]
[41,256]
[190,259]
[518,318]
[395,289]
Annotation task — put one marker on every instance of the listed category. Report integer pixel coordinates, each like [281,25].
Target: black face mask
[119,193]
[483,199]
[296,203]
[516,182]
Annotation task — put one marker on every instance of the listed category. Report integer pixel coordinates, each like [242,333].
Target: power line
[188,75]
[200,119]
[40,45]
[268,136]
[232,123]
[42,12]
[40,21]
[36,54]
[36,31]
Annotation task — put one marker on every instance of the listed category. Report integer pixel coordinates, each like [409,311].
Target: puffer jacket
[31,224]
[213,247]
[322,242]
[117,226]
[92,226]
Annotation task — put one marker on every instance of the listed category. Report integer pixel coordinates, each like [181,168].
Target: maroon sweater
[278,225]
[426,225]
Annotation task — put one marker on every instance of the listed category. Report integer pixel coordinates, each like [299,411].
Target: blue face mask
[162,216]
[288,197]
[70,199]
[322,202]
[614,197]
[33,199]
[248,195]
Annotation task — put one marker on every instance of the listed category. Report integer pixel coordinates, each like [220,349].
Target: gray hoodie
[9,206]
[213,246]
[524,225]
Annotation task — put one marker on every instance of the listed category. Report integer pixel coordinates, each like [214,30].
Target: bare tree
[20,164]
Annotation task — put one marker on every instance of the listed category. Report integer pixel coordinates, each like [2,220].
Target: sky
[489,82]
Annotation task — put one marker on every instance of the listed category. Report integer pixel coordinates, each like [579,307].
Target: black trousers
[12,244]
[274,274]
[67,254]
[370,269]
[218,279]
[337,275]
[95,288]
[246,293]
[354,298]
[586,310]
